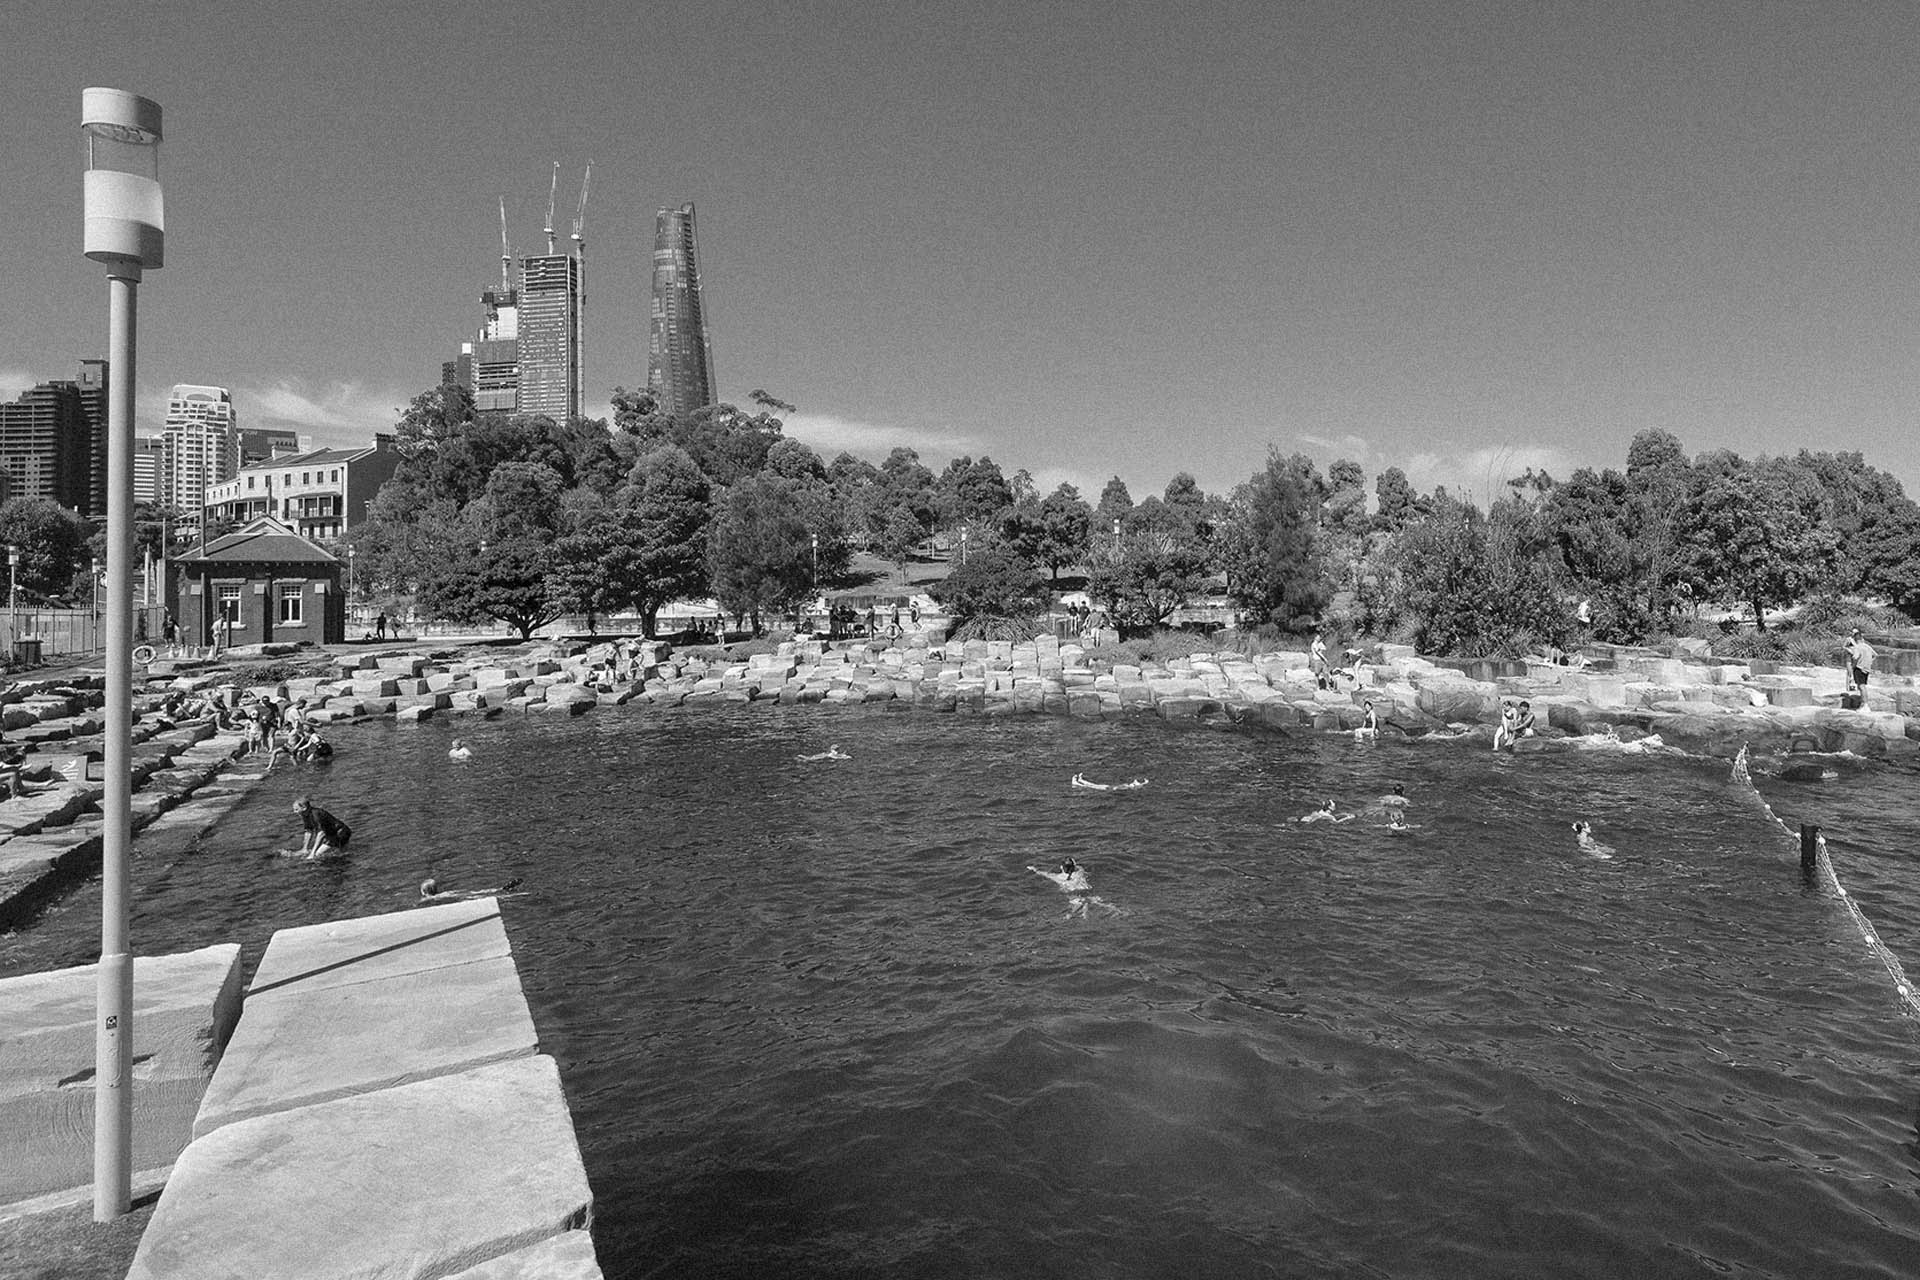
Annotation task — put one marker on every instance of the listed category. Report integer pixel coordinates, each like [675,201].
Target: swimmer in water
[459,751]
[831,753]
[1399,796]
[1080,780]
[1329,812]
[1397,822]
[1072,879]
[430,891]
[1583,836]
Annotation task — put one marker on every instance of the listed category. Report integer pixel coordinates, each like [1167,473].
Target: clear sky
[1083,238]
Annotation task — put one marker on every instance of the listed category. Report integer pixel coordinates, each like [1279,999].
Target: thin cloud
[1347,446]
[1483,473]
[830,434]
[345,412]
[14,379]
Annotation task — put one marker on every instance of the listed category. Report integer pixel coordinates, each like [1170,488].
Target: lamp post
[13,589]
[1116,535]
[963,544]
[350,554]
[93,576]
[126,232]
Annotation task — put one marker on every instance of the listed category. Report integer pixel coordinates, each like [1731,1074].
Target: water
[818,1019]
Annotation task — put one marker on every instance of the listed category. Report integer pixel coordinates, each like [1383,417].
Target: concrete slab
[297,1046]
[184,1006]
[567,1256]
[343,952]
[421,1180]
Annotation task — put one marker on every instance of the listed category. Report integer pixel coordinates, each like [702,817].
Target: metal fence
[32,634]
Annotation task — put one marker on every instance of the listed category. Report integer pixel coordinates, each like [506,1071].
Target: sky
[1085,239]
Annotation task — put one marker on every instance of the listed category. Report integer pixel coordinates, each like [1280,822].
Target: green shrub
[997,626]
[1812,651]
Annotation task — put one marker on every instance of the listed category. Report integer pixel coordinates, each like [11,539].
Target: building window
[291,594]
[336,475]
[249,484]
[226,598]
[306,477]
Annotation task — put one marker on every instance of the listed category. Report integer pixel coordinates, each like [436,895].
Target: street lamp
[126,232]
[13,586]
[1116,535]
[93,576]
[350,554]
[963,545]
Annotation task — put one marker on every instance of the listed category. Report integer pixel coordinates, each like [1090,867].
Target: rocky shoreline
[188,776]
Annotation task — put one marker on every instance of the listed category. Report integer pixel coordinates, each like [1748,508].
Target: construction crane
[553,188]
[506,254]
[580,218]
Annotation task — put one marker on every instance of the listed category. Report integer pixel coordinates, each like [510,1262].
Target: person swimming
[831,753]
[459,751]
[1081,780]
[430,891]
[1072,879]
[1329,812]
[1583,836]
[1399,796]
[1397,822]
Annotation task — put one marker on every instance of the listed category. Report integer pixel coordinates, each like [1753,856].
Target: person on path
[1859,661]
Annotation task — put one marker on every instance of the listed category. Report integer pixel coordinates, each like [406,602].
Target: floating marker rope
[1830,879]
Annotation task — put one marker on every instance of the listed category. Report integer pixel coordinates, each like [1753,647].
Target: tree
[759,551]
[1157,565]
[1066,521]
[992,583]
[1756,532]
[507,583]
[1115,504]
[1277,566]
[52,542]
[1395,503]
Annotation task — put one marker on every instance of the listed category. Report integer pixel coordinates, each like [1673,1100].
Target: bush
[1750,644]
[1161,646]
[999,626]
[1812,651]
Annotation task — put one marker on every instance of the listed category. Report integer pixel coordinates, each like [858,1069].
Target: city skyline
[1085,240]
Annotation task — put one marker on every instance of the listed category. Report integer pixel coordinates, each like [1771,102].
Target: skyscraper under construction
[679,349]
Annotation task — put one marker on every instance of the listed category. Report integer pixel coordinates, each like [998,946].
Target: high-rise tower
[679,349]
[200,443]
[550,335]
[46,444]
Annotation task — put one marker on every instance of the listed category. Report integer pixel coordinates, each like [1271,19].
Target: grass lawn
[870,573]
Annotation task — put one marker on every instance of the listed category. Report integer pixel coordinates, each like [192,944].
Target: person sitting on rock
[1369,721]
[1503,732]
[1523,722]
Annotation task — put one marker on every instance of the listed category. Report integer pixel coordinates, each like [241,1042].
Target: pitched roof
[261,540]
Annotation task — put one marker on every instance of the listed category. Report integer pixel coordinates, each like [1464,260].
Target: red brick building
[261,583]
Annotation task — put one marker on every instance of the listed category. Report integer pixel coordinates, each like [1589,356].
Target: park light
[125,230]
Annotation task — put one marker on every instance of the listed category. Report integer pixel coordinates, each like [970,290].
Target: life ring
[145,654]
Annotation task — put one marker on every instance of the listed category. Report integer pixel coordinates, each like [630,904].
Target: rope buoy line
[1815,860]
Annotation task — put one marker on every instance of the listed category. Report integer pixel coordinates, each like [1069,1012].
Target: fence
[31,633]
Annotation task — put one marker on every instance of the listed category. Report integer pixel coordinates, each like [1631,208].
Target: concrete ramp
[441,1178]
[184,1007]
[354,1006]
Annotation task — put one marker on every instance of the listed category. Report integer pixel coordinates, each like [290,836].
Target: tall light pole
[350,555]
[963,545]
[93,576]
[125,231]
[13,590]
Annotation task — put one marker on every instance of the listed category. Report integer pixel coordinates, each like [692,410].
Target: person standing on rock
[326,835]
[1859,661]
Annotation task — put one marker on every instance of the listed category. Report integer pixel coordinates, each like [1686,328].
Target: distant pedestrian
[1859,661]
[380,626]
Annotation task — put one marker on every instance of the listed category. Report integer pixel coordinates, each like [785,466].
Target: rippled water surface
[819,1020]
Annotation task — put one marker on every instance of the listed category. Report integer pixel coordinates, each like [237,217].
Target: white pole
[113,1038]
